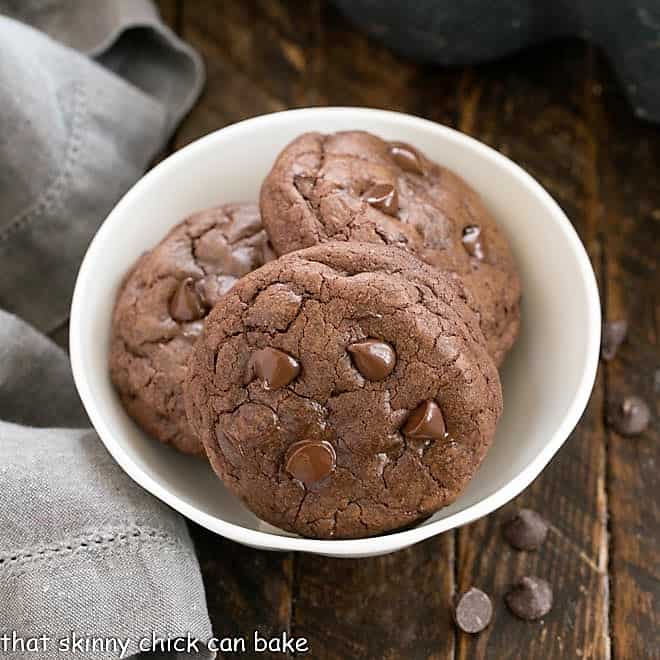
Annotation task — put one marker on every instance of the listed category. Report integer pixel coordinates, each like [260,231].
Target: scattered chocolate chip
[473,610]
[527,530]
[614,332]
[274,368]
[425,422]
[186,304]
[472,242]
[383,196]
[406,157]
[631,416]
[374,359]
[530,598]
[310,461]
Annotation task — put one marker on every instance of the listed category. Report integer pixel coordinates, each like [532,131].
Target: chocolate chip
[530,598]
[274,368]
[406,157]
[631,416]
[186,304]
[614,332]
[213,250]
[527,530]
[374,359]
[304,185]
[310,461]
[472,242]
[473,610]
[425,422]
[383,197]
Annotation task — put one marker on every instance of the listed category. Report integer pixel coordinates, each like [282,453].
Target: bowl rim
[341,547]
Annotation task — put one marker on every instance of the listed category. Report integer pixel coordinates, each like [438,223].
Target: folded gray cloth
[74,135]
[83,550]
[91,566]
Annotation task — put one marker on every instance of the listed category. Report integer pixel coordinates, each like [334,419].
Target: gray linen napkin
[83,550]
[75,133]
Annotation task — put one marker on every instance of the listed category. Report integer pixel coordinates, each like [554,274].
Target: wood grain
[397,606]
[260,58]
[356,70]
[532,109]
[246,589]
[628,163]
[556,111]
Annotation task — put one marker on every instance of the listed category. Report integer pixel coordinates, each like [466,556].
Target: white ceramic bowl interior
[547,378]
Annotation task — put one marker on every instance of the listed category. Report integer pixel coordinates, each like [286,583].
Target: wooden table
[558,111]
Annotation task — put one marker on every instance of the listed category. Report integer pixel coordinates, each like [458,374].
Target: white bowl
[547,378]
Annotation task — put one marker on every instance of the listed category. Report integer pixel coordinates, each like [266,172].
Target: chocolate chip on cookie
[310,462]
[383,196]
[374,359]
[406,157]
[344,390]
[186,304]
[274,368]
[354,186]
[160,310]
[425,422]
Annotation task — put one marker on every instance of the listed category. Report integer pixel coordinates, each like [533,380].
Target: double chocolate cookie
[344,390]
[354,186]
[161,308]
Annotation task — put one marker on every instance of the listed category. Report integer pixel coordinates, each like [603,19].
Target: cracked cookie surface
[354,186]
[344,390]
[161,307]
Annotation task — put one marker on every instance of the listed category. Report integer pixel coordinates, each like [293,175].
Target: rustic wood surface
[558,111]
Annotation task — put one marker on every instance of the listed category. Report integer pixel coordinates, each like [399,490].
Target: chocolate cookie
[353,186]
[161,307]
[344,390]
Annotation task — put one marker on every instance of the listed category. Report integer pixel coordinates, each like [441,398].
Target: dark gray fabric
[457,33]
[36,385]
[83,550]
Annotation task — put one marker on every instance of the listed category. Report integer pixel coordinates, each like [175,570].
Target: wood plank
[629,163]
[273,43]
[246,589]
[356,70]
[397,606]
[531,107]
[260,58]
